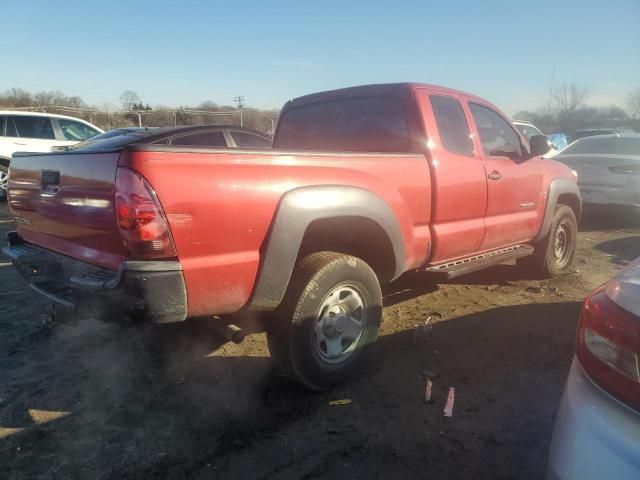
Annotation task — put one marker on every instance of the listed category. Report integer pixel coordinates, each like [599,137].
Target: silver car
[597,429]
[608,169]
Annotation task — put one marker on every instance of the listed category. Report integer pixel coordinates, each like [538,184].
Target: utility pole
[240,101]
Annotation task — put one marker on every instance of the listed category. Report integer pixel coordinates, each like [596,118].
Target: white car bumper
[595,436]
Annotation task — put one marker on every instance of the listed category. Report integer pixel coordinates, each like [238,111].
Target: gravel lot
[86,399]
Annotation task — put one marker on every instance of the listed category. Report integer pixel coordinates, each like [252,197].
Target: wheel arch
[312,219]
[562,191]
[4,161]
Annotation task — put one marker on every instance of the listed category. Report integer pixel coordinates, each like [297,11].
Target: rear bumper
[595,436]
[624,196]
[154,290]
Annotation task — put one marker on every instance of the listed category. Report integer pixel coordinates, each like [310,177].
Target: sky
[185,52]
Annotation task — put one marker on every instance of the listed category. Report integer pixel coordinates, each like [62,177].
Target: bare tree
[634,103]
[129,98]
[568,98]
[16,97]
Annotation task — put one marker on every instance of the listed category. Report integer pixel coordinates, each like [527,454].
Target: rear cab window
[604,145]
[360,124]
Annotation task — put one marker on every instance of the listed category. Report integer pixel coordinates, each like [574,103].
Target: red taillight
[609,347]
[143,226]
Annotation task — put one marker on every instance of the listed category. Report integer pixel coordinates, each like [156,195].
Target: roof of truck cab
[375,90]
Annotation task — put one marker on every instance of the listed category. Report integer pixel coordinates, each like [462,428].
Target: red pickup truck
[362,185]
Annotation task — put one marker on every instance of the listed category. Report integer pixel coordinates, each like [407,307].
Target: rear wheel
[328,320]
[554,254]
[4,180]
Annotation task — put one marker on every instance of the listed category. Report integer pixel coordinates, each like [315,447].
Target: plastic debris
[448,408]
[429,377]
[427,391]
[340,403]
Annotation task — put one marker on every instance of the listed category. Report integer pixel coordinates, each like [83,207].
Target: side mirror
[539,145]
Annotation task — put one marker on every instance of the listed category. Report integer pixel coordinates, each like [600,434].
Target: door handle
[495,175]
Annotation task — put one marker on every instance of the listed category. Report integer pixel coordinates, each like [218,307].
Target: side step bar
[478,262]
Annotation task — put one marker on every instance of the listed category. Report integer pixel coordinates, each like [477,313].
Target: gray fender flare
[558,187]
[298,208]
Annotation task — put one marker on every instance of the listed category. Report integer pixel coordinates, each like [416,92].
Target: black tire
[554,254]
[4,171]
[303,319]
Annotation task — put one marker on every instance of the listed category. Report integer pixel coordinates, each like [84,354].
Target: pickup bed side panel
[221,211]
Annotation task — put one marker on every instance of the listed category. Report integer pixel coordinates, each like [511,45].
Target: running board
[478,262]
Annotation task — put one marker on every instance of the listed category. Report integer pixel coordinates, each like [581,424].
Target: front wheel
[554,255]
[328,320]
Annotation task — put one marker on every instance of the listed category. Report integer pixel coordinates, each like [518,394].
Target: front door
[514,185]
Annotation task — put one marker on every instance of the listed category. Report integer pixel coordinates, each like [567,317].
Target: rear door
[459,183]
[28,133]
[514,185]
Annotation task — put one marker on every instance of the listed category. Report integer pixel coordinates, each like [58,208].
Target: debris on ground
[448,408]
[340,403]
[427,390]
[542,289]
[421,332]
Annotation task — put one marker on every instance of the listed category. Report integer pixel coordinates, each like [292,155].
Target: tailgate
[65,202]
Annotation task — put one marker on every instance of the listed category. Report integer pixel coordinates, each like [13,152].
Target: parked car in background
[226,136]
[608,168]
[597,429]
[591,132]
[363,185]
[557,141]
[37,132]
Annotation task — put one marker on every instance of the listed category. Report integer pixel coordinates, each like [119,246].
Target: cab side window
[496,134]
[11,128]
[33,127]
[201,139]
[76,131]
[452,124]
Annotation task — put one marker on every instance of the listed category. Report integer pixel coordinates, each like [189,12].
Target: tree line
[133,109]
[567,110]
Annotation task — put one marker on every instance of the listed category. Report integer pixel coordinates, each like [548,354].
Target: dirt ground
[94,400]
